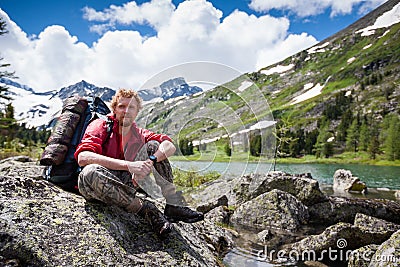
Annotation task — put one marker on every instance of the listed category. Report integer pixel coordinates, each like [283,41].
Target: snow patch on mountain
[277,69]
[310,90]
[386,20]
[244,85]
[34,109]
[318,48]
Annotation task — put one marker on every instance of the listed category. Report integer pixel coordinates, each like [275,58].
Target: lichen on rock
[42,225]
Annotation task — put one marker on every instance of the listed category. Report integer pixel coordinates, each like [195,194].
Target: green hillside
[337,99]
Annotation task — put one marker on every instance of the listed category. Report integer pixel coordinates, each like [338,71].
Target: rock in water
[343,180]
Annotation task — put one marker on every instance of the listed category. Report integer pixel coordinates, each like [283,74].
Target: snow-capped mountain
[169,89]
[37,109]
[84,88]
[30,107]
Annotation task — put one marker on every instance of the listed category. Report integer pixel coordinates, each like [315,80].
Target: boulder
[265,235]
[213,203]
[314,264]
[397,194]
[272,210]
[335,243]
[372,224]
[14,167]
[341,209]
[362,257]
[344,181]
[302,186]
[41,225]
[17,159]
[210,193]
[219,215]
[388,253]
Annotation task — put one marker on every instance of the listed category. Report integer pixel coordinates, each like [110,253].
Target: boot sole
[186,220]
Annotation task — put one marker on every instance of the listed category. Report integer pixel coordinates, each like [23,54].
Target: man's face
[126,111]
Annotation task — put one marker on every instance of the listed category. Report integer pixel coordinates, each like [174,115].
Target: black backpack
[58,156]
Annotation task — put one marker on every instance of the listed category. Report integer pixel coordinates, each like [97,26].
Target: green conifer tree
[255,145]
[324,146]
[4,73]
[373,147]
[353,136]
[392,141]
[365,136]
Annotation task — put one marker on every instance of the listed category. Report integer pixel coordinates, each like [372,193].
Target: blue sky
[70,15]
[125,44]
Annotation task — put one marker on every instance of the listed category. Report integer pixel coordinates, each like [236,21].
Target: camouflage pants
[115,187]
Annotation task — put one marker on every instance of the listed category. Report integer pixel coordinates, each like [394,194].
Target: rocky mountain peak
[169,89]
[37,108]
[84,88]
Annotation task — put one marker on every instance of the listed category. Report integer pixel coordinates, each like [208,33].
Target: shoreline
[295,161]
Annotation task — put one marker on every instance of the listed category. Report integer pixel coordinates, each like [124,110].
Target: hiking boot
[184,214]
[156,219]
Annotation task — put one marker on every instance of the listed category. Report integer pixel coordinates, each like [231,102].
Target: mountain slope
[351,76]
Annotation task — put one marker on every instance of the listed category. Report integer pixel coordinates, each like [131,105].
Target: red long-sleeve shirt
[95,137]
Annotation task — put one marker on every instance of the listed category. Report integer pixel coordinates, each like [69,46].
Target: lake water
[373,176]
[380,180]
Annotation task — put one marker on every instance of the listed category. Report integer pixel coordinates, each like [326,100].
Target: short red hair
[128,93]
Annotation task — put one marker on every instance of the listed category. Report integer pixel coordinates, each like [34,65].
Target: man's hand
[139,170]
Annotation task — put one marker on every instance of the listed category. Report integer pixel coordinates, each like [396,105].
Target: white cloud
[316,7]
[155,13]
[192,31]
[280,50]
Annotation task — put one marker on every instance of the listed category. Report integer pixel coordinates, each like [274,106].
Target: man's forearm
[88,157]
[165,150]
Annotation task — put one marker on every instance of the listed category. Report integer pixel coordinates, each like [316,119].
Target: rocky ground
[289,213]
[41,225]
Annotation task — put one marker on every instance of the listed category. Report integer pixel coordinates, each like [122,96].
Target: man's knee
[152,147]
[88,173]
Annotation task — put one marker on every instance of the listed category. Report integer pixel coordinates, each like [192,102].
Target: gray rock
[343,180]
[265,235]
[340,209]
[18,159]
[314,264]
[22,169]
[339,237]
[219,215]
[212,191]
[362,257]
[302,186]
[213,203]
[372,224]
[388,253]
[397,194]
[41,225]
[272,210]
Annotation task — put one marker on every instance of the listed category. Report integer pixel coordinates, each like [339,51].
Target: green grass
[32,152]
[344,158]
[193,178]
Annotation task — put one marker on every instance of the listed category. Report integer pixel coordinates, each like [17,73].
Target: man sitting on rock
[117,164]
